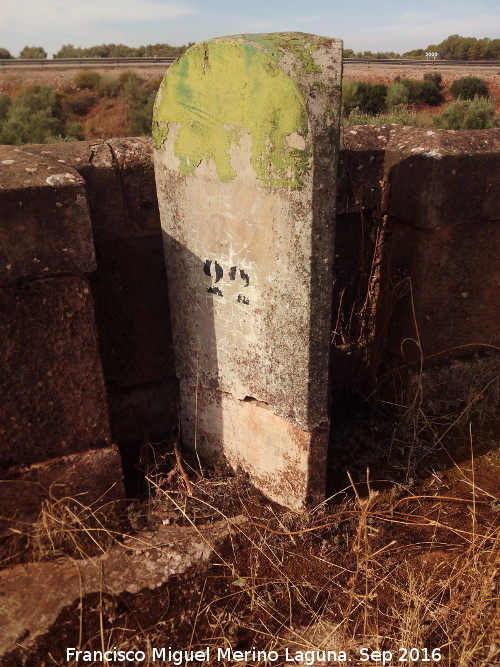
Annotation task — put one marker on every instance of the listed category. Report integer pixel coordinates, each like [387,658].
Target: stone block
[133,161]
[283,460]
[441,287]
[51,383]
[120,182]
[361,167]
[92,476]
[447,387]
[41,598]
[45,227]
[441,178]
[245,132]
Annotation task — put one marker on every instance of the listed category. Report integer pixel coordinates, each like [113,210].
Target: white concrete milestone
[245,131]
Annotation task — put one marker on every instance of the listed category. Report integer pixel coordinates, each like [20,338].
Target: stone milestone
[245,132]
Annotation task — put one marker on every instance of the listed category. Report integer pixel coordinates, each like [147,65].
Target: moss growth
[317,87]
[298,43]
[221,88]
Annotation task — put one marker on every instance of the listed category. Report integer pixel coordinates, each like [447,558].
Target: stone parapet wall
[417,248]
[53,395]
[87,356]
[129,284]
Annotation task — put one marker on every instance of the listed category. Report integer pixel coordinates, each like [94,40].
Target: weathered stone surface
[120,183]
[361,167]
[34,595]
[93,475]
[436,222]
[246,137]
[441,178]
[45,225]
[285,461]
[378,172]
[441,287]
[129,286]
[133,161]
[51,383]
[448,386]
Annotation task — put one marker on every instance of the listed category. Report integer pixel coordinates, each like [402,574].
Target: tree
[131,86]
[349,96]
[122,51]
[476,114]
[373,98]
[74,131]
[4,54]
[426,91]
[141,116]
[456,47]
[434,77]
[397,94]
[33,117]
[469,87]
[380,55]
[68,51]
[416,54]
[162,50]
[33,52]
[367,97]
[429,93]
[89,79]
[5,103]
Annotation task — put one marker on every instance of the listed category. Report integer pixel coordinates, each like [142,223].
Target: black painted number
[219,274]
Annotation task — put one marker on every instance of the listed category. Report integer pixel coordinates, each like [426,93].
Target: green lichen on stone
[317,87]
[299,44]
[218,91]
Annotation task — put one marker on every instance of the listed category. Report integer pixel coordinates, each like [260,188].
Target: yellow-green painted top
[222,87]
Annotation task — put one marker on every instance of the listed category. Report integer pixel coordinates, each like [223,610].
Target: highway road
[148,62]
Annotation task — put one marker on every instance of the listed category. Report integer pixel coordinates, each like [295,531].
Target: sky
[375,25]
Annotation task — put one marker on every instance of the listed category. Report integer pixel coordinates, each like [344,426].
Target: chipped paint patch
[295,140]
[222,88]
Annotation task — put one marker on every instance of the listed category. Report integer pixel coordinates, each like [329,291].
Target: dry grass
[381,569]
[65,526]
[376,573]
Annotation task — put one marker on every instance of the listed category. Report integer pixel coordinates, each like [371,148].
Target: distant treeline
[103,51]
[122,51]
[370,55]
[453,47]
